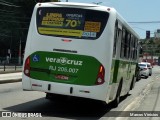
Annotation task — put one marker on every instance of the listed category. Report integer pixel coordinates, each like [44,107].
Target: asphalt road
[10,77]
[14,99]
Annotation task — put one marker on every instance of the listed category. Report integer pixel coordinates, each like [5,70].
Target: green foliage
[14,19]
[151,46]
[15,16]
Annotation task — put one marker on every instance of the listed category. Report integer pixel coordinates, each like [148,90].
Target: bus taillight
[100,76]
[27,67]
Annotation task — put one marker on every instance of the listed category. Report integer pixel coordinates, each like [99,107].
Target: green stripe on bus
[122,69]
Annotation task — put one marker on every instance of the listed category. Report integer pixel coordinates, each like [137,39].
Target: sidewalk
[10,77]
[10,69]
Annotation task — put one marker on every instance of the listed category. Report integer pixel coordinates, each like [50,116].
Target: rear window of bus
[71,22]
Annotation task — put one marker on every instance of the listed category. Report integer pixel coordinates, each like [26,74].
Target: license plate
[61,77]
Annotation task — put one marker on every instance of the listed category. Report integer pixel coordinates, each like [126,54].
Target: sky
[134,11]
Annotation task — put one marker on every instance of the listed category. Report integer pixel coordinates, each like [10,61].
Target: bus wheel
[132,83]
[117,99]
[49,96]
[56,97]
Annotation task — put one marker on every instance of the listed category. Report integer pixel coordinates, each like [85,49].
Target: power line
[16,17]
[8,11]
[145,22]
[13,21]
[2,12]
[5,35]
[7,30]
[144,29]
[97,3]
[7,4]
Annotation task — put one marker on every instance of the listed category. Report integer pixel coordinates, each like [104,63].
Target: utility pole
[19,54]
[10,53]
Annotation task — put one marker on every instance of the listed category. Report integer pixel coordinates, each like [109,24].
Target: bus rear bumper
[97,92]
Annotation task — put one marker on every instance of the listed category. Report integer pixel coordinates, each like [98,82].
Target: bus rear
[63,52]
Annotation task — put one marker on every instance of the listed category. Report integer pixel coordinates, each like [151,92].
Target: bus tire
[55,97]
[117,99]
[132,83]
[48,96]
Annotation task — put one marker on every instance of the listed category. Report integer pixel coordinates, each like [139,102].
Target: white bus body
[76,49]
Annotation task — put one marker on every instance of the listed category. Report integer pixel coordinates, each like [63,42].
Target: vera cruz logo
[64,61]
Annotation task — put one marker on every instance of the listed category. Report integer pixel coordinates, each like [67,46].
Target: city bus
[80,50]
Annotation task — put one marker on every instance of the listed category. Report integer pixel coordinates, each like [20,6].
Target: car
[144,69]
[150,68]
[138,73]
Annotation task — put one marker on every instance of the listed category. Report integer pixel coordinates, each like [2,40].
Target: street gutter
[10,81]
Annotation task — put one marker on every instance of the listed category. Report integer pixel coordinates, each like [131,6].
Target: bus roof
[127,25]
[73,4]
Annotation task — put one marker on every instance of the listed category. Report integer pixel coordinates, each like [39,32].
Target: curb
[10,81]
[6,72]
